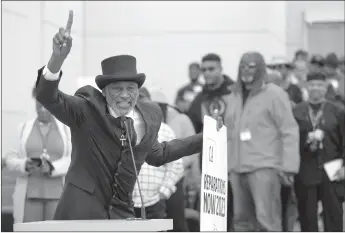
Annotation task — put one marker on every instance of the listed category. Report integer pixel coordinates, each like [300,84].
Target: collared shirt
[158,180]
[139,124]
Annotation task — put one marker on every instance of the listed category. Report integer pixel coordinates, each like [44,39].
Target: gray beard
[112,105]
[246,82]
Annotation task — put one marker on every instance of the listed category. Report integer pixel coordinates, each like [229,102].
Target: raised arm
[66,108]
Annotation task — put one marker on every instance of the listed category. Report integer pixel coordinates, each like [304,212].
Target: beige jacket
[274,142]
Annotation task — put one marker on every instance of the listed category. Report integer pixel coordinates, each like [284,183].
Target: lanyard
[44,137]
[315,118]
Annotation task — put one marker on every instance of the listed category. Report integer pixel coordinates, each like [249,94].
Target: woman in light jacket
[39,187]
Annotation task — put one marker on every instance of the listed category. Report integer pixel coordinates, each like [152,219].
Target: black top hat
[119,68]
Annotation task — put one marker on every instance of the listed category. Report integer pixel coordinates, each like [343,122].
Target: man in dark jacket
[104,125]
[322,139]
[211,98]
[210,101]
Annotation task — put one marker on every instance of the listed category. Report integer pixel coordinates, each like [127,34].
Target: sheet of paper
[332,167]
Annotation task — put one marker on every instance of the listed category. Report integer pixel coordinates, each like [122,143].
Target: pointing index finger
[69,22]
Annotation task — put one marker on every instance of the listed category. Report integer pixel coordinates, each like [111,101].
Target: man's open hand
[218,118]
[340,174]
[62,41]
[286,178]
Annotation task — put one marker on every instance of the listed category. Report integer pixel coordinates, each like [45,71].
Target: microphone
[143,212]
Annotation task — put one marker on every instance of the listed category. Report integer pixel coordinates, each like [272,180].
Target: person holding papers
[321,176]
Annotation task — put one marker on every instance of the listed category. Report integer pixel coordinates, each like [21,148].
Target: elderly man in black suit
[101,177]
[322,140]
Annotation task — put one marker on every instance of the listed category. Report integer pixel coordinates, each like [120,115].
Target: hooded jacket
[204,101]
[267,114]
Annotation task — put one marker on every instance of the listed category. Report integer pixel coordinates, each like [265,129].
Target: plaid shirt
[156,181]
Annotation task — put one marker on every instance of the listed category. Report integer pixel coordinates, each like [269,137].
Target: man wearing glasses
[263,152]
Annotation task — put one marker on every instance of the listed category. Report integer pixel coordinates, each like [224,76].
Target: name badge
[245,135]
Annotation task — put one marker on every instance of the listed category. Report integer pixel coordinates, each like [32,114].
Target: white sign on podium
[214,180]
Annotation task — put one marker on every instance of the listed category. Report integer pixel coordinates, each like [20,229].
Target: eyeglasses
[210,69]
[248,66]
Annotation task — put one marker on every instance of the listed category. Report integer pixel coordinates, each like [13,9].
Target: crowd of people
[280,104]
[285,123]
[315,92]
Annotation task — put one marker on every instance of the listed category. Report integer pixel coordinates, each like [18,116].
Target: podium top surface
[97,225]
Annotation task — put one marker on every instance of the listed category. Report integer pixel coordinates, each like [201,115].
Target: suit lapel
[147,118]
[98,101]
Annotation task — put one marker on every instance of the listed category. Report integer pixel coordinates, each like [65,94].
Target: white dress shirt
[139,124]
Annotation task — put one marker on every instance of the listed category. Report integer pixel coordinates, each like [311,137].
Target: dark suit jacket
[97,161]
[333,125]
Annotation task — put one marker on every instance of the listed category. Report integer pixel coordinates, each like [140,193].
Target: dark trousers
[156,211]
[289,208]
[285,194]
[307,199]
[175,208]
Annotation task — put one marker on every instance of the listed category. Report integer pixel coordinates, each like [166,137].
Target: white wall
[300,12]
[166,36]
[21,37]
